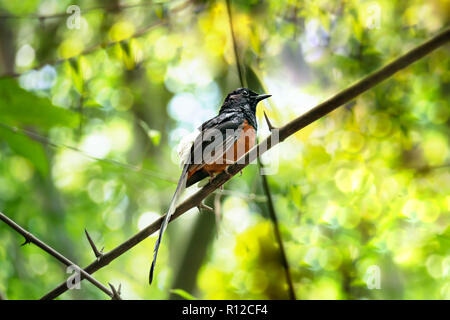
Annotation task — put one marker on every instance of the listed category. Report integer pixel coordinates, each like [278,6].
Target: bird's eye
[245,93]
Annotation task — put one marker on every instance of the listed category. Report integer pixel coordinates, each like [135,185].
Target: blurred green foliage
[368,185]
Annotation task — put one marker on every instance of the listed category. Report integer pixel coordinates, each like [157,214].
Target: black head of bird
[244,98]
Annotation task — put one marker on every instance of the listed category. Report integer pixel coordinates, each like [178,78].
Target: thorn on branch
[116,293]
[269,124]
[204,207]
[27,241]
[98,254]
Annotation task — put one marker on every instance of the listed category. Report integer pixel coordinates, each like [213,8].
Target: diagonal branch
[284,132]
[29,238]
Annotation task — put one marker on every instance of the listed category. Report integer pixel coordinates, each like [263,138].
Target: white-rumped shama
[226,137]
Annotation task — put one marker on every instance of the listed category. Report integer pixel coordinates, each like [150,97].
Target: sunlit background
[102,99]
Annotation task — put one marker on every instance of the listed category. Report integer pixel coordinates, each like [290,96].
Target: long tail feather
[180,187]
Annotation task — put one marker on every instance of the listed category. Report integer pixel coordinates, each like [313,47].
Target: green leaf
[185,295]
[154,135]
[18,106]
[296,195]
[76,74]
[28,148]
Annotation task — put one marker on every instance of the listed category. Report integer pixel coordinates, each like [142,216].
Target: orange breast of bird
[243,144]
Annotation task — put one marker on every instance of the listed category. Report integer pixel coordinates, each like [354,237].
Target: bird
[213,146]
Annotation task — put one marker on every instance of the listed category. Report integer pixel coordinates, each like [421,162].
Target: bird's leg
[227,172]
[211,176]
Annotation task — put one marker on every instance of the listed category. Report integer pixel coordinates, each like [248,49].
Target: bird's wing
[217,137]
[185,146]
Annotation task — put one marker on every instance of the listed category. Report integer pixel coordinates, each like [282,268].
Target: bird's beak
[262,97]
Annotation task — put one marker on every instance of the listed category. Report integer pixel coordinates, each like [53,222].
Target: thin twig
[276,226]
[133,168]
[108,8]
[31,238]
[44,140]
[278,238]
[233,38]
[286,131]
[266,188]
[87,51]
[101,45]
